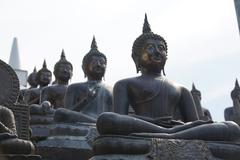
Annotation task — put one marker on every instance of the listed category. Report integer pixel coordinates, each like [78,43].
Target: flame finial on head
[146,25]
[94,43]
[63,55]
[44,64]
[35,69]
[237,84]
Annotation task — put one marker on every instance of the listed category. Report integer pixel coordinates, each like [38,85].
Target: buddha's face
[96,67]
[153,56]
[64,72]
[45,78]
[33,80]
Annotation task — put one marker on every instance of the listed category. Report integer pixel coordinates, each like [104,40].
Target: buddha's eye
[161,47]
[102,61]
[150,47]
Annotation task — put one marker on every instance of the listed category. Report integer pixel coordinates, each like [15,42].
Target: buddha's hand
[46,107]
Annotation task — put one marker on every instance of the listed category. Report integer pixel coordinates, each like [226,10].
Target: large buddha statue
[44,77]
[85,101]
[233,113]
[156,100]
[55,93]
[205,114]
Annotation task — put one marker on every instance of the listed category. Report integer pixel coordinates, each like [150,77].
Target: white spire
[14,60]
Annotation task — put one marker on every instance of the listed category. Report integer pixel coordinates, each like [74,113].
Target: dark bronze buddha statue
[233,113]
[44,77]
[204,112]
[85,101]
[55,93]
[163,109]
[32,81]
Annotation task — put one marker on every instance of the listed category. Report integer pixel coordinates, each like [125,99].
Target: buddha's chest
[154,93]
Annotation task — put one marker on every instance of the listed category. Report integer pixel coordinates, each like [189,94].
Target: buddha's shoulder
[5,110]
[127,81]
[77,86]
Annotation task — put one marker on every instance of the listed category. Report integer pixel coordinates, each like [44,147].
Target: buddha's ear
[83,68]
[55,73]
[163,71]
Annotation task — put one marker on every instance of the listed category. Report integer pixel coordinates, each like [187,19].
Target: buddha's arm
[69,98]
[120,98]
[8,123]
[44,95]
[187,106]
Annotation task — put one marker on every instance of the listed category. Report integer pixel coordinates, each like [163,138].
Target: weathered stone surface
[225,150]
[159,149]
[19,157]
[67,142]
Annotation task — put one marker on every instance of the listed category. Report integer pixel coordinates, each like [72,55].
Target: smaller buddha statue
[155,99]
[56,92]
[204,112]
[233,113]
[44,77]
[32,81]
[9,142]
[85,101]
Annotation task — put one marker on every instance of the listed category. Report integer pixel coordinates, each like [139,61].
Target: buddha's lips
[157,59]
[98,69]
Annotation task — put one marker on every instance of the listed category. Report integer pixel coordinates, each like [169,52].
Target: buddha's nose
[98,63]
[157,53]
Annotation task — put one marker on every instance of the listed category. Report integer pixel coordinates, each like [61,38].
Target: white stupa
[14,62]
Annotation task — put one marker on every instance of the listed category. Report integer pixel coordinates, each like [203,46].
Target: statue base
[19,157]
[112,147]
[68,141]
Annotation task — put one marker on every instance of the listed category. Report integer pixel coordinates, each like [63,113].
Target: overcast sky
[202,36]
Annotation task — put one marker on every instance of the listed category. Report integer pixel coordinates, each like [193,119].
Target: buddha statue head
[44,76]
[32,79]
[149,51]
[195,92]
[63,69]
[94,63]
[235,94]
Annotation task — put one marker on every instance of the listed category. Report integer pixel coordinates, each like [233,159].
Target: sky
[202,36]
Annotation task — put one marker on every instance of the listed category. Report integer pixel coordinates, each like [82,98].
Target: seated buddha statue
[32,81]
[9,142]
[52,97]
[85,101]
[204,112]
[156,100]
[233,113]
[56,92]
[44,77]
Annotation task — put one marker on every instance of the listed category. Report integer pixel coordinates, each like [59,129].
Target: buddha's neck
[43,85]
[61,82]
[94,79]
[151,73]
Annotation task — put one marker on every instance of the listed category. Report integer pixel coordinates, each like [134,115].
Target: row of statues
[160,107]
[154,98]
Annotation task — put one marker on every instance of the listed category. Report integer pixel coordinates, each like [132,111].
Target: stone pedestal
[19,157]
[67,142]
[137,148]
